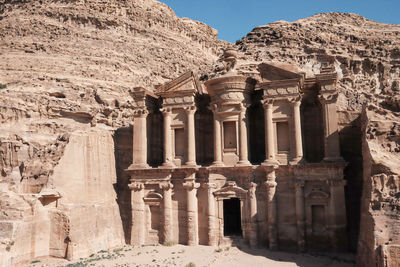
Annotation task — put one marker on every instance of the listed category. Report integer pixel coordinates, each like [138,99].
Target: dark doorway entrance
[232,220]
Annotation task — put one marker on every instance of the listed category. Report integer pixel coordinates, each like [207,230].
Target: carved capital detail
[190,185]
[328,98]
[269,184]
[336,182]
[166,186]
[140,113]
[299,183]
[166,111]
[267,103]
[190,109]
[295,101]
[209,186]
[136,186]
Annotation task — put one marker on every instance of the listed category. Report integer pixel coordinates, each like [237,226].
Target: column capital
[299,183]
[190,185]
[336,182]
[140,113]
[328,97]
[295,101]
[269,184]
[213,107]
[209,186]
[166,186]
[267,103]
[190,109]
[252,189]
[166,111]
[136,186]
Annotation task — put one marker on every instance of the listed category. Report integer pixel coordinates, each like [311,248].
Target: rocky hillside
[66,68]
[366,54]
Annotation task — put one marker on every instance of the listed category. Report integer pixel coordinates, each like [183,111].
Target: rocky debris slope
[379,241]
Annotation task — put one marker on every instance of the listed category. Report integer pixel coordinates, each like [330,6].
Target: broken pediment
[186,84]
[275,72]
[231,190]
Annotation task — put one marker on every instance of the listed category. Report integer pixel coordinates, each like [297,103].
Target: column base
[217,164]
[333,159]
[190,164]
[296,161]
[168,164]
[139,166]
[269,162]
[243,163]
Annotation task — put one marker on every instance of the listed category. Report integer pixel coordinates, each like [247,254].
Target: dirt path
[198,256]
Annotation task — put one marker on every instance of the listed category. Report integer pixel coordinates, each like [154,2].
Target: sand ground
[199,256]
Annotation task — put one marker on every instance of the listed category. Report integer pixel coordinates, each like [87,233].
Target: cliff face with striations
[68,66]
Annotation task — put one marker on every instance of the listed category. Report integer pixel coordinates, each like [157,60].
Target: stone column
[298,153]
[217,140]
[269,134]
[337,214]
[271,204]
[192,225]
[138,213]
[139,157]
[167,212]
[212,237]
[168,161]
[243,150]
[331,134]
[300,215]
[253,215]
[191,140]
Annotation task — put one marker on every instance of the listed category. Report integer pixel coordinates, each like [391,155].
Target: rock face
[66,71]
[379,241]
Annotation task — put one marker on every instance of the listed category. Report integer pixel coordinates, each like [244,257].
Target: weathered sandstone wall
[379,242]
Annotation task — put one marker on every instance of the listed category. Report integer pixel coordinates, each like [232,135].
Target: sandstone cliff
[379,242]
[66,68]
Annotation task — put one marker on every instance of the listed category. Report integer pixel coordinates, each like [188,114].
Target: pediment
[279,72]
[231,190]
[317,194]
[187,83]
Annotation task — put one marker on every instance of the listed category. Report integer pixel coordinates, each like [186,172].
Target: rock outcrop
[379,242]
[66,71]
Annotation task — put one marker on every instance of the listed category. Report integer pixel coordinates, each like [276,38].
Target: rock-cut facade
[239,160]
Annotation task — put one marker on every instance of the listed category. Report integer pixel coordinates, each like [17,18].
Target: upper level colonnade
[235,120]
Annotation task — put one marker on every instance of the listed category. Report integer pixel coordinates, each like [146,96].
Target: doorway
[232,217]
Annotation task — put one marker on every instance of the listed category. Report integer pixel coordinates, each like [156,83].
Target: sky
[235,18]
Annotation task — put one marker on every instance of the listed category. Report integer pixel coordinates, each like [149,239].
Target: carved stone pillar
[331,134]
[337,213]
[167,212]
[191,140]
[272,208]
[217,140]
[298,153]
[269,134]
[168,160]
[192,225]
[243,150]
[139,157]
[253,215]
[212,237]
[138,213]
[300,216]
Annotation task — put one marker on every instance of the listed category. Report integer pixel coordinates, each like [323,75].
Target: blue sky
[235,18]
